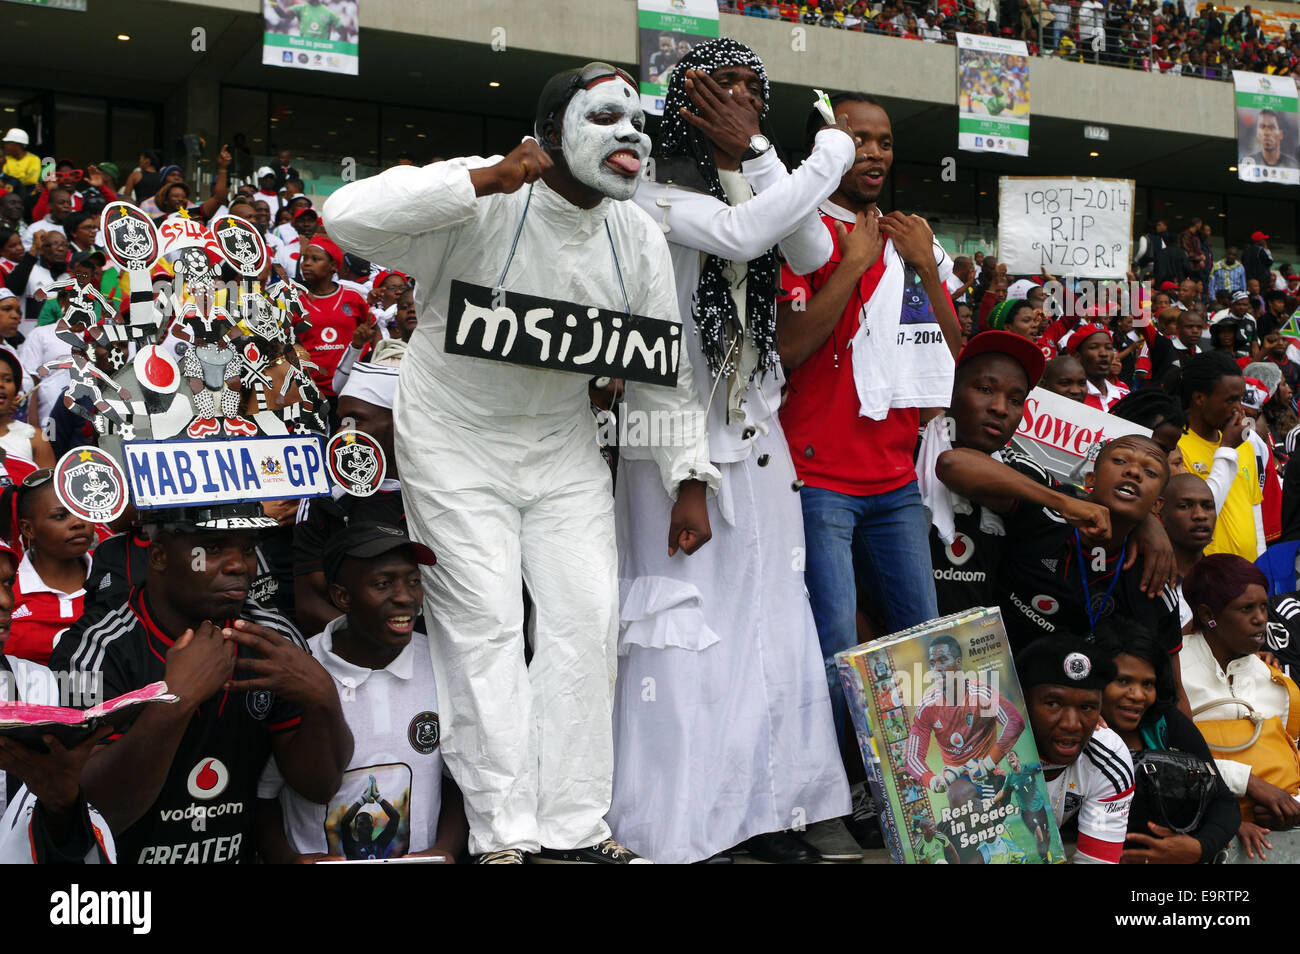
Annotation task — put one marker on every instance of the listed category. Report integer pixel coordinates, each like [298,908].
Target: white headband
[372,383]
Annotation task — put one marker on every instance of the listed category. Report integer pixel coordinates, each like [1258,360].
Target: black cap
[1063,661]
[367,540]
[235,516]
[87,255]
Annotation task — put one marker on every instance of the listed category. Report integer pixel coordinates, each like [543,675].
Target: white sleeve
[1103,816]
[272,782]
[16,839]
[784,204]
[809,246]
[382,217]
[344,370]
[1236,775]
[681,449]
[1223,471]
[1261,544]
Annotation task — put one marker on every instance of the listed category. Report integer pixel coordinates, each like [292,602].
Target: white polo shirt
[395,775]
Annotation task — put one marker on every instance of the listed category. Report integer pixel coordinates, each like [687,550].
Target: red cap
[388,273]
[1082,334]
[331,249]
[1168,286]
[1257,236]
[1016,347]
[304,211]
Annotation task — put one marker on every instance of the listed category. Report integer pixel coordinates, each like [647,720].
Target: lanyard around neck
[1087,594]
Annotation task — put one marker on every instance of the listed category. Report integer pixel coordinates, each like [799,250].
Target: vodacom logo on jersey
[1045,604]
[960,550]
[329,335]
[208,779]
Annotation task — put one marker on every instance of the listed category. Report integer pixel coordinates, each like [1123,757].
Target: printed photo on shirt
[370,816]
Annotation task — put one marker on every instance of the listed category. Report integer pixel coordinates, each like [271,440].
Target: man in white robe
[723,722]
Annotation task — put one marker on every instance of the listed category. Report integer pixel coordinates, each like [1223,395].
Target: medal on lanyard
[1083,575]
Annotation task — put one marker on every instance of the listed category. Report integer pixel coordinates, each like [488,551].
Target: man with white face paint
[737,743]
[500,465]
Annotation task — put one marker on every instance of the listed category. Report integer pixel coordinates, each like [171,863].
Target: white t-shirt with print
[395,775]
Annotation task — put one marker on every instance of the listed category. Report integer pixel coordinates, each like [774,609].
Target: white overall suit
[503,478]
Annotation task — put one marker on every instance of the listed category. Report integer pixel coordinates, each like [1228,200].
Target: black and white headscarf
[713,308]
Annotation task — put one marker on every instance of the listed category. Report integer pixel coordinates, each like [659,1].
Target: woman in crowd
[145,179]
[387,288]
[16,436]
[156,203]
[1247,710]
[1278,414]
[1140,705]
[1017,316]
[49,591]
[11,316]
[11,250]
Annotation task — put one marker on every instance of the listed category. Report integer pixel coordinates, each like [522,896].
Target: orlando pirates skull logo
[424,733]
[130,237]
[90,484]
[356,462]
[241,245]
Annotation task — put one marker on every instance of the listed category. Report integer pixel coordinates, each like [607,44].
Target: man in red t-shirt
[334,311]
[861,506]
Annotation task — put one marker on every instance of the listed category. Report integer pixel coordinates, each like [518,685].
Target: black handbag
[1174,788]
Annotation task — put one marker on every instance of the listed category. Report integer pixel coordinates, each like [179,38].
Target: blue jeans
[888,537]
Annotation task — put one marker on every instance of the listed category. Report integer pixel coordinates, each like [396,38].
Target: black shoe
[607,852]
[506,856]
[864,823]
[782,848]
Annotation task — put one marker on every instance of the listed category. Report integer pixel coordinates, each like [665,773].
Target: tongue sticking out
[625,161]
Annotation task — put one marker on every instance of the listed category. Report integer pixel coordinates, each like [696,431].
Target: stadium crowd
[1165,37]
[426,671]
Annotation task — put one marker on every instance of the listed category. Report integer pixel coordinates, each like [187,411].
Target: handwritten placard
[1082,228]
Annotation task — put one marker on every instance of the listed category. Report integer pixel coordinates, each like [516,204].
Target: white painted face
[602,138]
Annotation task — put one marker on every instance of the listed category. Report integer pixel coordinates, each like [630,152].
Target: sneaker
[506,856]
[833,841]
[240,425]
[203,427]
[864,824]
[607,852]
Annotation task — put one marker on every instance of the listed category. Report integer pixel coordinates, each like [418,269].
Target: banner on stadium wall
[1075,227]
[666,31]
[992,95]
[311,35]
[1268,128]
[1064,436]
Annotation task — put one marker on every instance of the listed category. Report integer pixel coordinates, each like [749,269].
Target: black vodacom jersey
[1041,587]
[204,813]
